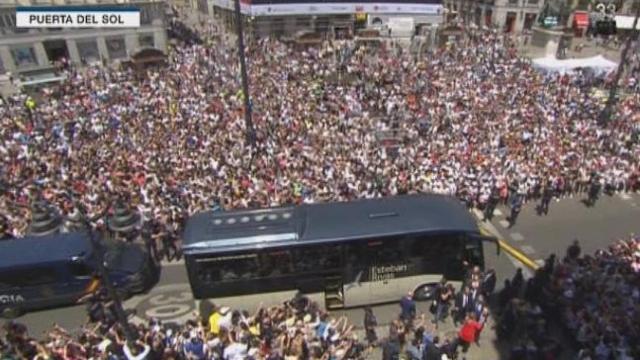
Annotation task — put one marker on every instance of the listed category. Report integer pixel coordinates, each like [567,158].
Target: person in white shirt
[225,320]
[140,351]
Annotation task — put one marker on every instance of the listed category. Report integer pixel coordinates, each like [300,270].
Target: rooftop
[311,223]
[42,249]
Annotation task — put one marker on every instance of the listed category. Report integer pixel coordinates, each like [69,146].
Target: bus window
[28,277]
[318,258]
[385,252]
[80,270]
[437,253]
[473,251]
[227,268]
[275,263]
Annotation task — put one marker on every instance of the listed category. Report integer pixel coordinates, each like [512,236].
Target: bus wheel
[425,292]
[11,312]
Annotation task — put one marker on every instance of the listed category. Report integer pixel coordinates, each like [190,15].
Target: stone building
[512,16]
[25,52]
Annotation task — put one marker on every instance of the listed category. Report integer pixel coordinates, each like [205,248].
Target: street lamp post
[98,249]
[605,114]
[250,132]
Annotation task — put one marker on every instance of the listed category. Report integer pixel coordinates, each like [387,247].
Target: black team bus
[349,253]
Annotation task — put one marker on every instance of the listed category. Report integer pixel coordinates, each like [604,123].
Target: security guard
[491,204]
[547,195]
[594,190]
[516,207]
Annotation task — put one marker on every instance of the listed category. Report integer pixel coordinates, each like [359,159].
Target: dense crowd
[335,122]
[297,329]
[594,298]
[415,338]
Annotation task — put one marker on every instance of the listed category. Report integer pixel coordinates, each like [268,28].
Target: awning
[626,22]
[581,19]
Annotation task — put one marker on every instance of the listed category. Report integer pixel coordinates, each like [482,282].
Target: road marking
[168,302]
[504,223]
[517,237]
[540,262]
[497,212]
[517,258]
[528,249]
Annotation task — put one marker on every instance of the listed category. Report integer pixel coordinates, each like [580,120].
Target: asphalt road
[536,236]
[612,218]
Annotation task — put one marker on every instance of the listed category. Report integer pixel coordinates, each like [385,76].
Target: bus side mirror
[493,239]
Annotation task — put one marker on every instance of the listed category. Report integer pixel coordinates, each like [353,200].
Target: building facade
[511,16]
[34,50]
[290,17]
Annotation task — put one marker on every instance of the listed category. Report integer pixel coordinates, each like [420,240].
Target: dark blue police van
[45,271]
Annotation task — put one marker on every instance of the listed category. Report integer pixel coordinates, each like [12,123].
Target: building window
[9,20]
[510,22]
[24,56]
[146,40]
[529,20]
[145,16]
[116,48]
[533,2]
[513,2]
[88,50]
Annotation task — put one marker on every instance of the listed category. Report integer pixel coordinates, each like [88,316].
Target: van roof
[32,250]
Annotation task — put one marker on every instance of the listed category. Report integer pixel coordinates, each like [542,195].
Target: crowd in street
[593,298]
[297,329]
[333,123]
[415,337]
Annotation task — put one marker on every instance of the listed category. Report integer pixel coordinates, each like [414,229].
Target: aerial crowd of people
[297,329]
[334,122]
[593,299]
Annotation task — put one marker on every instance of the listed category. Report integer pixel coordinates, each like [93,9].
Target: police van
[39,272]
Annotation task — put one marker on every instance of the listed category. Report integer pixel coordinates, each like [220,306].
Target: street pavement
[613,217]
[535,236]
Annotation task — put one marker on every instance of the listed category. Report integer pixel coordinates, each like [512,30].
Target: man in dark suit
[463,304]
[547,196]
[489,282]
[432,351]
[492,203]
[408,308]
[516,207]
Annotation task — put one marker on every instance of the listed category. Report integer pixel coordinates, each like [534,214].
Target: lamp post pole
[250,132]
[605,115]
[98,248]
